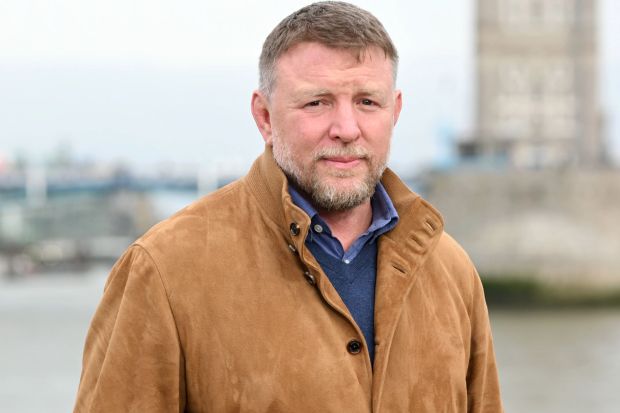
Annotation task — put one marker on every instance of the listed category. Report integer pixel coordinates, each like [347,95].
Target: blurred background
[115,114]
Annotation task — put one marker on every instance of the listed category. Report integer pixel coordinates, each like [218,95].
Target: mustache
[341,151]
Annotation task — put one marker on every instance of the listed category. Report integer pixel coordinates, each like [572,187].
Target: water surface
[550,361]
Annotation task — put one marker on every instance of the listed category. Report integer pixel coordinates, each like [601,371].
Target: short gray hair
[334,24]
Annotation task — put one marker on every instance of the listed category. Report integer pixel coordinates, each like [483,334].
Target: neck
[346,226]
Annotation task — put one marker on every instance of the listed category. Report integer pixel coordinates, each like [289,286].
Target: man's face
[330,122]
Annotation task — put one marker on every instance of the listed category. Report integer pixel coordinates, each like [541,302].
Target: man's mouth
[342,161]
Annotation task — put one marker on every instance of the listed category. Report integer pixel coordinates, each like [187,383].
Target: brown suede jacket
[221,308]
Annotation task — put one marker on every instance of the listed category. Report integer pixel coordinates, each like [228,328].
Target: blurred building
[529,198]
[537,84]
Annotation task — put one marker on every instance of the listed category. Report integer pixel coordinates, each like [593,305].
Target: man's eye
[367,102]
[314,103]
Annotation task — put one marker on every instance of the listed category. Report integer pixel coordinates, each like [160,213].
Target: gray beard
[327,198]
[323,195]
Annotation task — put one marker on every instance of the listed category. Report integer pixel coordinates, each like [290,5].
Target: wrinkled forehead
[357,55]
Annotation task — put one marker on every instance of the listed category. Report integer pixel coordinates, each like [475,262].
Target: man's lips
[342,161]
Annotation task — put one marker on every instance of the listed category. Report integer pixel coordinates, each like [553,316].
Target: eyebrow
[303,94]
[371,92]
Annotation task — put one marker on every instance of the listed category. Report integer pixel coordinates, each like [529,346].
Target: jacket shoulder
[190,223]
[456,265]
[452,251]
[176,244]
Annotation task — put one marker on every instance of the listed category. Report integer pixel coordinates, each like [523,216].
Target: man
[316,283]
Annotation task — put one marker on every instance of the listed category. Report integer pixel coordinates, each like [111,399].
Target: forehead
[310,61]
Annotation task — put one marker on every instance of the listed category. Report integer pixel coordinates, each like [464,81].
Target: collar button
[310,278]
[295,230]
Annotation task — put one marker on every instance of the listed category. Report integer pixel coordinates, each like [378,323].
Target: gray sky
[148,81]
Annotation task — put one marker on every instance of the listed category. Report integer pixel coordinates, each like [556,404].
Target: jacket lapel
[402,252]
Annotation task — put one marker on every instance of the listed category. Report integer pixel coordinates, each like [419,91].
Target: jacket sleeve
[483,392]
[132,357]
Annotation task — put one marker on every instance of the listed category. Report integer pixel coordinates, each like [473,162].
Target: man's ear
[398,104]
[262,117]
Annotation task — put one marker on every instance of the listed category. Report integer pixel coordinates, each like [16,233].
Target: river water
[550,361]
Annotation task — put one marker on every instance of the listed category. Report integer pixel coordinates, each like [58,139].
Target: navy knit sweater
[355,283]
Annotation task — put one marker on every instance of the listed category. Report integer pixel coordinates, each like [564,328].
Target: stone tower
[537,84]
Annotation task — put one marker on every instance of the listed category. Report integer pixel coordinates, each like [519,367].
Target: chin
[344,184]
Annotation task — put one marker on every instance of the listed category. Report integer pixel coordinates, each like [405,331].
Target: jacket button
[354,347]
[295,230]
[309,278]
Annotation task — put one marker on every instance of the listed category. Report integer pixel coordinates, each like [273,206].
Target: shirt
[384,218]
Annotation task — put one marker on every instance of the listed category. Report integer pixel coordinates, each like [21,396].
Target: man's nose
[344,125]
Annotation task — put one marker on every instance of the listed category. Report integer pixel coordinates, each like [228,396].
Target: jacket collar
[270,187]
[419,222]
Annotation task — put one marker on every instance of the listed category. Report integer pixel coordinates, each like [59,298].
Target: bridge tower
[537,84]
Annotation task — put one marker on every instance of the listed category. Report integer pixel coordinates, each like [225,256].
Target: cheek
[379,135]
[304,139]
[311,126]
[292,142]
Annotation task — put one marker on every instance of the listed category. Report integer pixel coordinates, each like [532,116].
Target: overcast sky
[148,81]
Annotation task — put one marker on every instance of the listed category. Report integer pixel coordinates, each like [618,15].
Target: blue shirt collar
[384,218]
